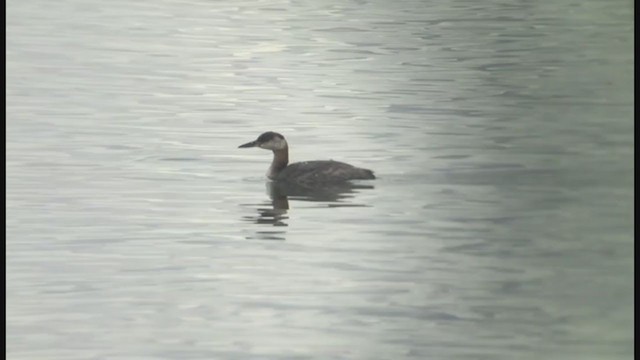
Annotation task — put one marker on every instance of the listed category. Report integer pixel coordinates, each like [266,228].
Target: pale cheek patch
[276,144]
[268,145]
[279,144]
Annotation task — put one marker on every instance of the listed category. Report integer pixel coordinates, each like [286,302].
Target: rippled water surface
[500,225]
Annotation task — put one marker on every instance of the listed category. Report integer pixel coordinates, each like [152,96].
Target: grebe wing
[323,171]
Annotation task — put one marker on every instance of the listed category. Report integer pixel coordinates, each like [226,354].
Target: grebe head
[269,141]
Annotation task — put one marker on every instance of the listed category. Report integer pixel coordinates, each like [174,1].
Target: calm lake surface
[500,225]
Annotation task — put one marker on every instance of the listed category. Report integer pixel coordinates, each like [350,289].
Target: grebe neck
[280,161]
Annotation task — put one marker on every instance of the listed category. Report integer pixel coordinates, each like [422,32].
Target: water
[500,225]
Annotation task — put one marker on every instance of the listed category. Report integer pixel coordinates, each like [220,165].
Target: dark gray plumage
[323,171]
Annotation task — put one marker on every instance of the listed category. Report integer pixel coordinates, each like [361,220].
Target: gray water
[500,225]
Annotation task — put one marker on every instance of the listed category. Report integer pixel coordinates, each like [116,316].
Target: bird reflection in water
[275,211]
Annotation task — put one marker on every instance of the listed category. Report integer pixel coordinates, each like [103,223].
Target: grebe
[322,171]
